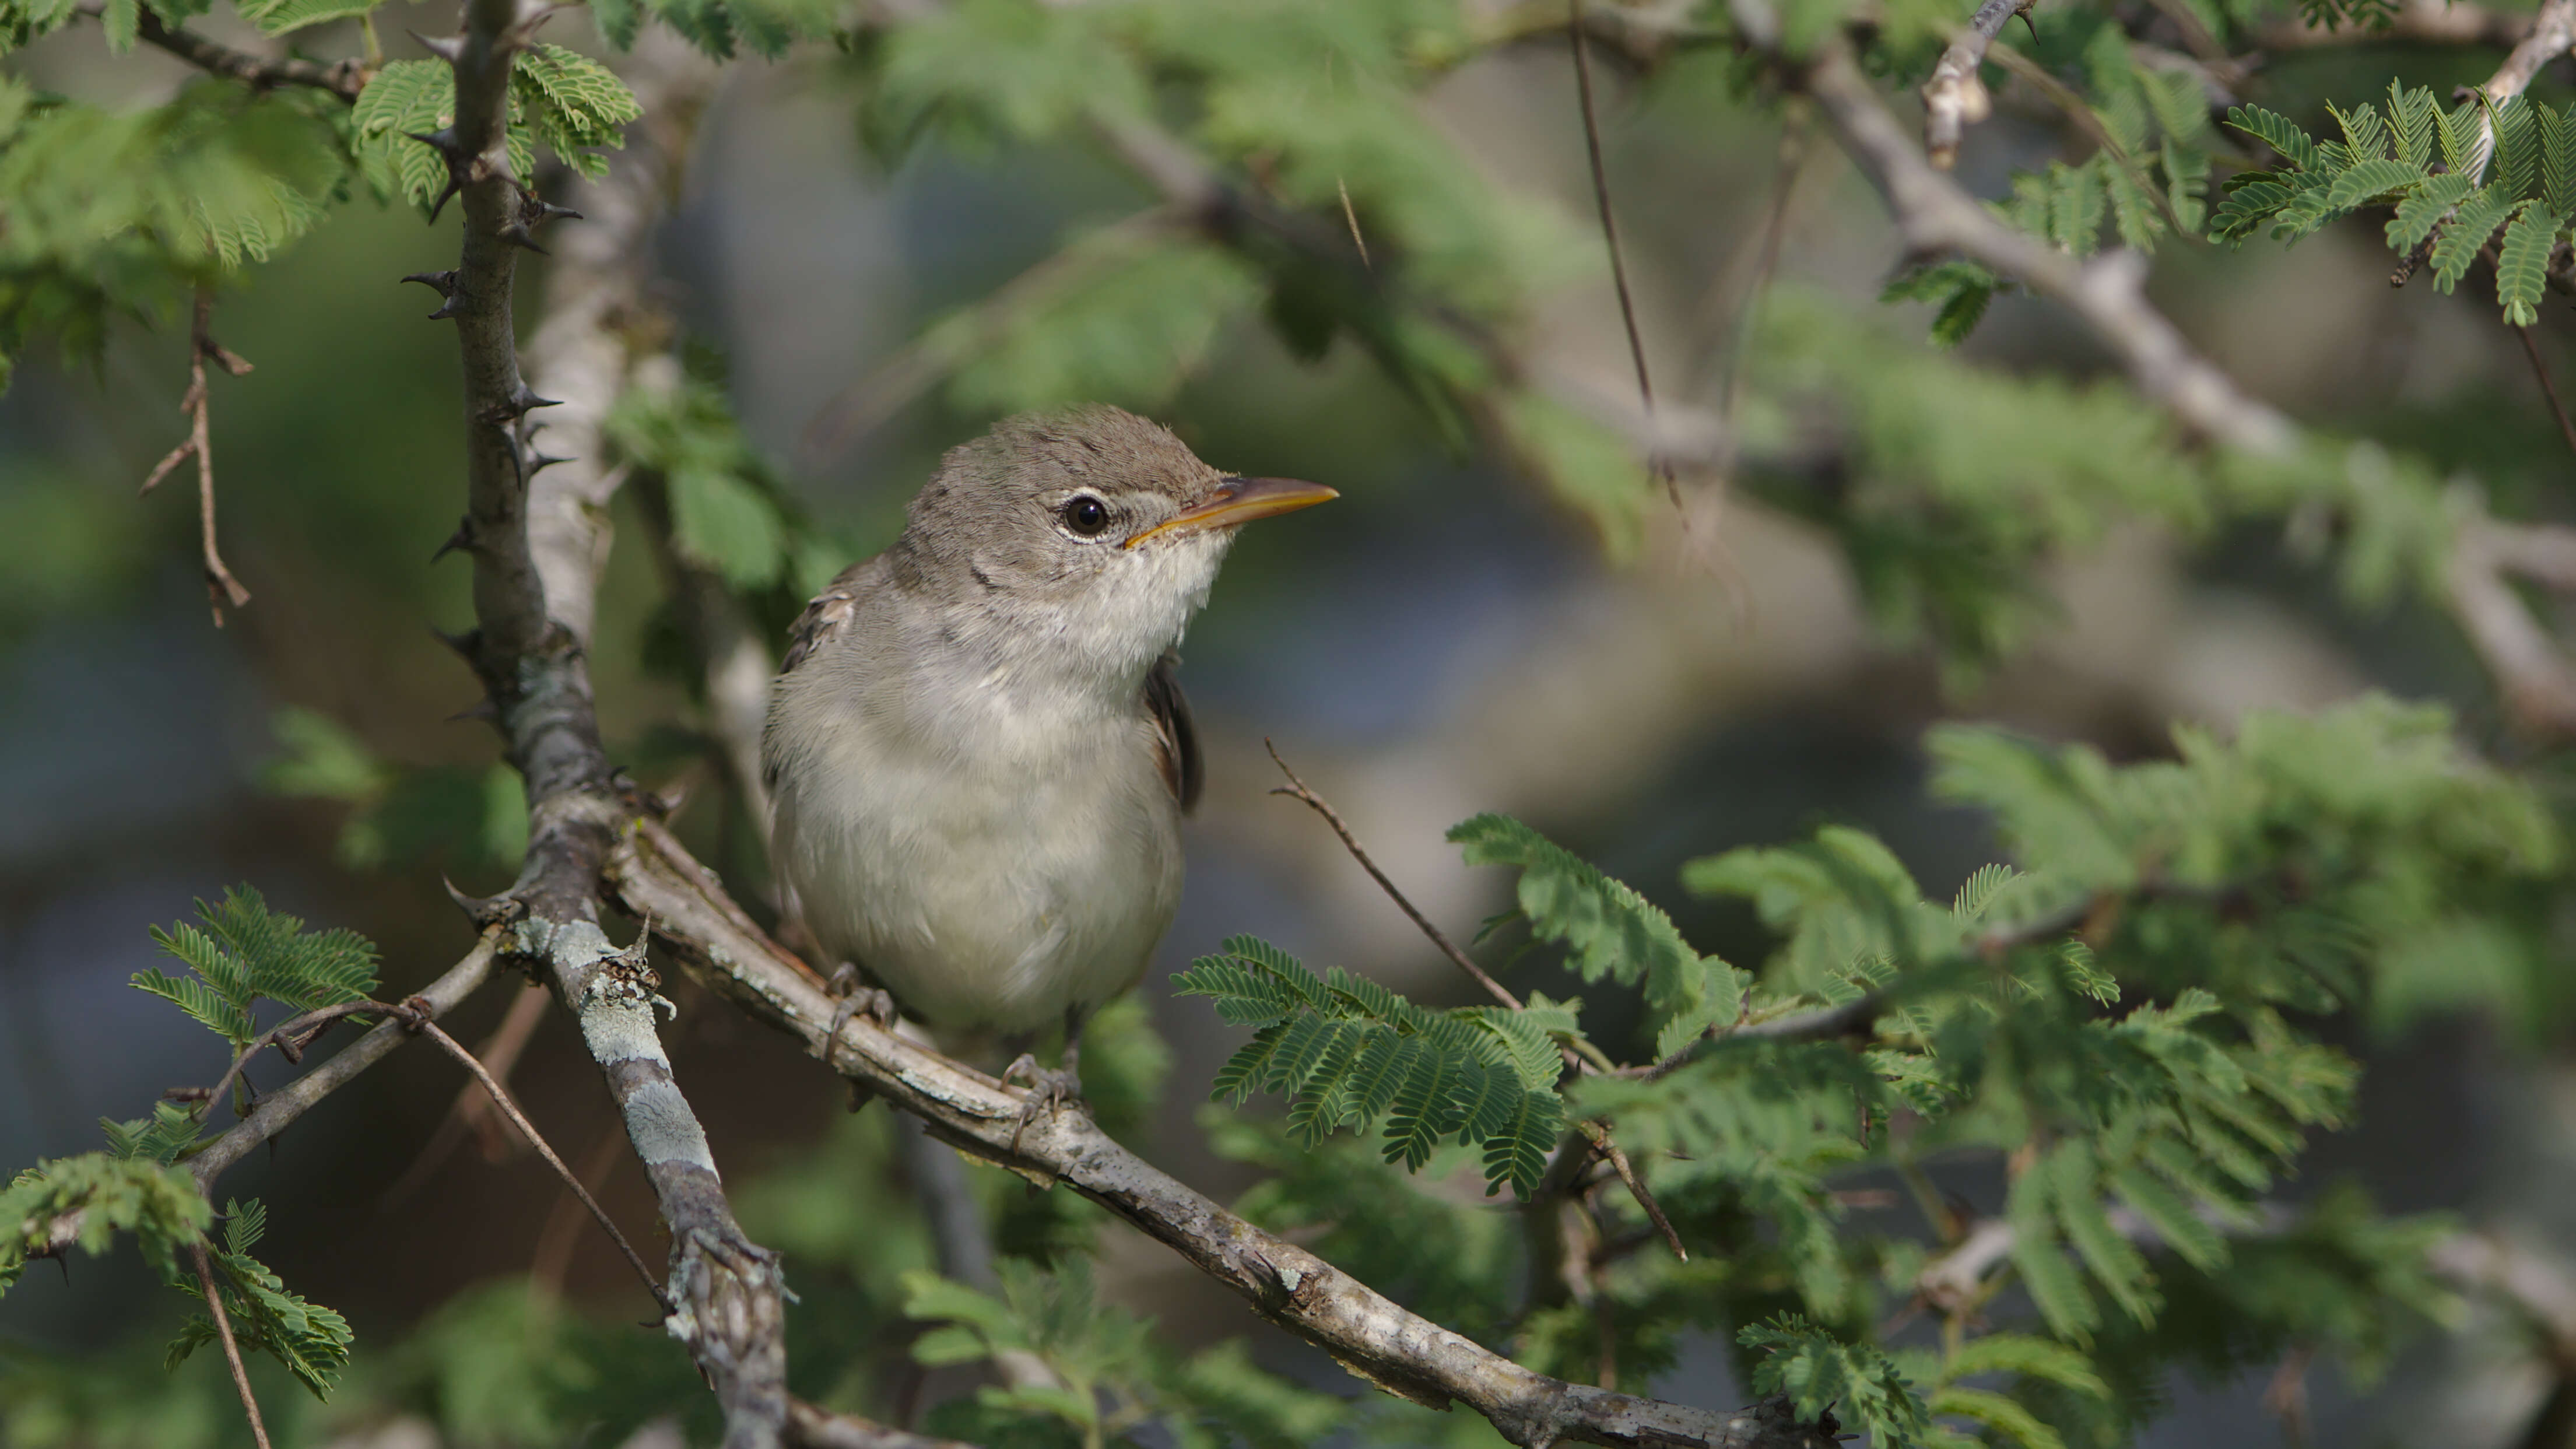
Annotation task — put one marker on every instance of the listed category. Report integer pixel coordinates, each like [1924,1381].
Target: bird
[977,748]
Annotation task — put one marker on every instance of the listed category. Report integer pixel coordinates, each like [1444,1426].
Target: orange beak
[1239,501]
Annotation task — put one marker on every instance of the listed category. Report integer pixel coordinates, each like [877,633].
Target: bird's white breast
[990,851]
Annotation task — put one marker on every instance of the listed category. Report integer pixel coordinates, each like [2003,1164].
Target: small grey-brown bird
[977,749]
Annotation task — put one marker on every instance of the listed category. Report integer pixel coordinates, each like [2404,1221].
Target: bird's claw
[1048,1091]
[856,997]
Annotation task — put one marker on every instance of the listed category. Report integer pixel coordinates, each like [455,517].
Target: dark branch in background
[1955,97]
[535,560]
[1660,465]
[501,1099]
[343,78]
[221,586]
[2549,390]
[224,1332]
[811,1428]
[472,1111]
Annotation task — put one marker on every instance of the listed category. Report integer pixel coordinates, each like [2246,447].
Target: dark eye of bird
[1086,515]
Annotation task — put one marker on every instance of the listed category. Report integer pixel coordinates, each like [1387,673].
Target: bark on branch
[1372,1337]
[1955,97]
[535,560]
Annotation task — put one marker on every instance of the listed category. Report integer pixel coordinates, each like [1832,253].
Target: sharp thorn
[443,141]
[462,538]
[445,281]
[454,306]
[485,910]
[525,400]
[539,462]
[517,234]
[453,186]
[547,211]
[466,645]
[482,709]
[449,48]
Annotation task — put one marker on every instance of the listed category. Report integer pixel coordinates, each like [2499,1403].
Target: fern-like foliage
[312,1341]
[1111,1377]
[1820,1372]
[112,213]
[1348,1052]
[96,1196]
[243,952]
[1610,932]
[573,104]
[2454,180]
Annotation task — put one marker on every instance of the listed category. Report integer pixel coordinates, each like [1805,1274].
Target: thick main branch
[1374,1338]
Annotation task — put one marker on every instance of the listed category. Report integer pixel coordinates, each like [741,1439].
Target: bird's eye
[1085,515]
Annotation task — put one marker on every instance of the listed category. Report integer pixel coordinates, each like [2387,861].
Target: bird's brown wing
[1176,740]
[830,613]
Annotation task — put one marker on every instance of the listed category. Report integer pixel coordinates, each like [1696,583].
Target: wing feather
[1176,738]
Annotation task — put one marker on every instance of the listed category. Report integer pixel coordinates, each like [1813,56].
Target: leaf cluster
[2458,181]
[242,953]
[1348,1052]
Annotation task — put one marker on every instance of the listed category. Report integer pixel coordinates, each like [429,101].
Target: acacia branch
[282,1106]
[536,554]
[1372,1337]
[221,587]
[343,78]
[1955,98]
[1934,215]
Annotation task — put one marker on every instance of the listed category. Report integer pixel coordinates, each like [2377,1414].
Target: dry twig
[1661,465]
[1955,98]
[224,1332]
[2540,370]
[221,586]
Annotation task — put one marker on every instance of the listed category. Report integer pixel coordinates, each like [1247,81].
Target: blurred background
[1450,637]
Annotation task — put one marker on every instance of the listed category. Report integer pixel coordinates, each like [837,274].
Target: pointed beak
[1239,501]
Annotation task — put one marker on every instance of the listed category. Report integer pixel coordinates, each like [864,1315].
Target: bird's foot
[856,996]
[1049,1091]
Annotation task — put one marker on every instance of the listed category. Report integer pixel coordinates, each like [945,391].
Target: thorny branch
[221,586]
[1374,1338]
[1955,97]
[1934,216]
[536,553]
[343,78]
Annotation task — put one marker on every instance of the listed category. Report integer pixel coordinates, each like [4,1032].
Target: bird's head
[1090,535]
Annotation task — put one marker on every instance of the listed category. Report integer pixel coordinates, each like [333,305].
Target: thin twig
[1662,465]
[221,586]
[1351,215]
[510,1109]
[1296,789]
[2540,369]
[472,1110]
[281,1107]
[290,1038]
[224,1331]
[1598,1134]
